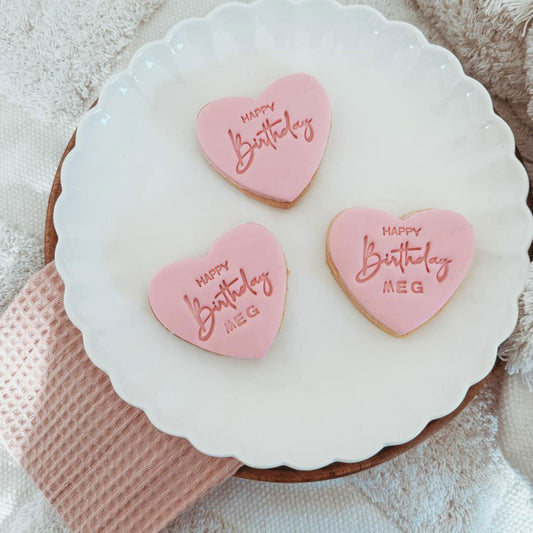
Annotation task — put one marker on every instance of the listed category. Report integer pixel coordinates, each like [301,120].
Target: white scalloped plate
[410,131]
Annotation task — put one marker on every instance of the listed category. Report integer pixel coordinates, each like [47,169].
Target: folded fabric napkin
[100,462]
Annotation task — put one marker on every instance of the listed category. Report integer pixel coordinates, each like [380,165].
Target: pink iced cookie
[229,302]
[270,147]
[399,271]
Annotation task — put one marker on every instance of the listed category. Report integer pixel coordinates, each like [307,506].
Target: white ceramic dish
[409,131]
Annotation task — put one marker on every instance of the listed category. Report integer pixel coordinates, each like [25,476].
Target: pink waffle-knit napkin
[97,459]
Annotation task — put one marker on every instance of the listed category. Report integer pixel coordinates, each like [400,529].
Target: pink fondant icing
[401,271]
[229,302]
[272,145]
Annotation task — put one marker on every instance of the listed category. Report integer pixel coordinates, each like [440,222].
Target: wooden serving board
[283,474]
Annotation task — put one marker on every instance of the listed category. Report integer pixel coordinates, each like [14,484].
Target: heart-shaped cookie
[229,302]
[399,271]
[269,147]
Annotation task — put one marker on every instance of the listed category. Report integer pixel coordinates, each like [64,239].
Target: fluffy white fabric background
[56,52]
[54,56]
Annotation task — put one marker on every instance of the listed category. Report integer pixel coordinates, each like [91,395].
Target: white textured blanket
[472,476]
